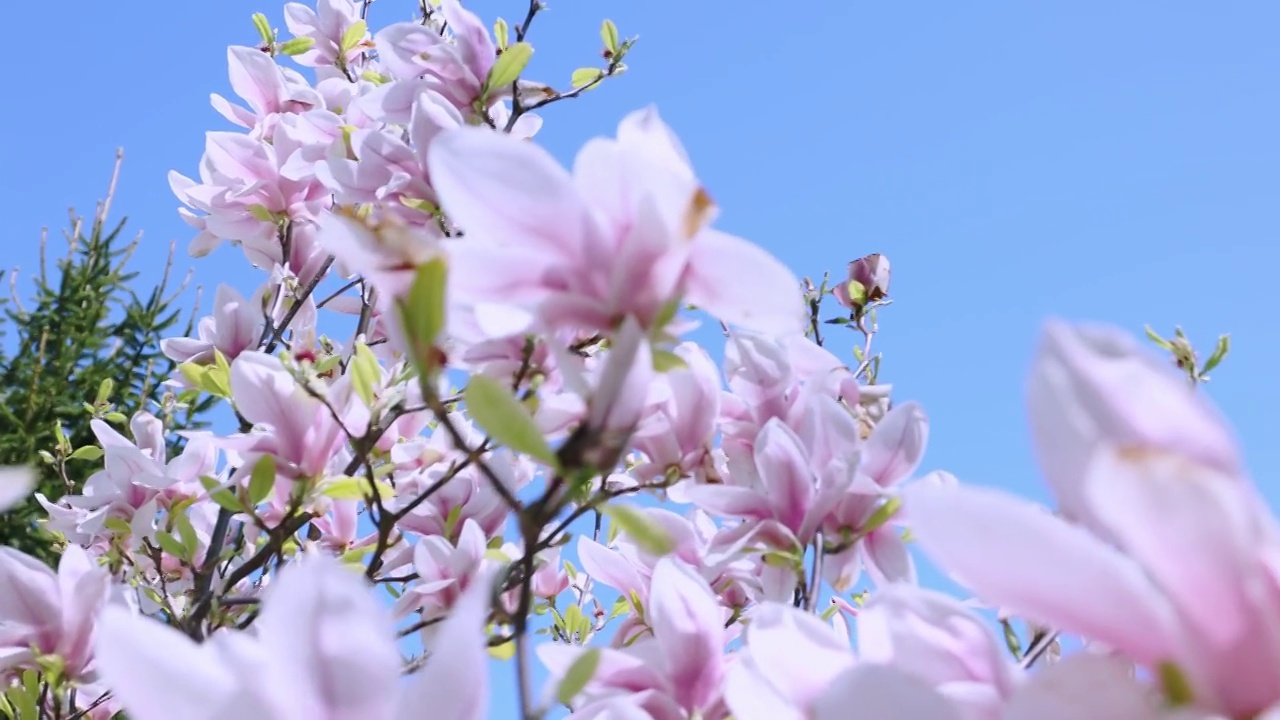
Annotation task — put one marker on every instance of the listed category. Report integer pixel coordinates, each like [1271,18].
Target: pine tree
[86,345]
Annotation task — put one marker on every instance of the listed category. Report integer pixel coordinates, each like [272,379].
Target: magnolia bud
[868,282]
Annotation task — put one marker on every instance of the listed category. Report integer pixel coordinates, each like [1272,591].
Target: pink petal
[157,673]
[455,682]
[337,641]
[881,691]
[1092,385]
[689,629]
[1016,555]
[502,190]
[16,484]
[742,284]
[896,446]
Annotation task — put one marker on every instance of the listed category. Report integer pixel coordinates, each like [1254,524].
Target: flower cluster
[471,417]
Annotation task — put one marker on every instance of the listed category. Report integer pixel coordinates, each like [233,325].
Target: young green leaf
[365,373]
[505,419]
[353,35]
[500,33]
[262,479]
[578,675]
[297,46]
[507,68]
[1219,352]
[609,36]
[264,28]
[1155,338]
[422,313]
[651,537]
[88,452]
[585,76]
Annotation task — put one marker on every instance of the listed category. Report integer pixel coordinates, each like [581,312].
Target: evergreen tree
[87,345]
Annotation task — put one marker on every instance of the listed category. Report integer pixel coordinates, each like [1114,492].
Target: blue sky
[1092,160]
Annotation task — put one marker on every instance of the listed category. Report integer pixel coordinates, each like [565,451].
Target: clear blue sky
[1094,160]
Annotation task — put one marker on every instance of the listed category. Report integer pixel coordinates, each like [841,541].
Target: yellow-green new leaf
[297,46]
[609,36]
[422,313]
[353,35]
[507,68]
[365,373]
[262,479]
[578,675]
[264,28]
[505,419]
[585,76]
[650,536]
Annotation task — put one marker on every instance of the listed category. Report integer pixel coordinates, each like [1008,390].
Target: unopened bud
[868,282]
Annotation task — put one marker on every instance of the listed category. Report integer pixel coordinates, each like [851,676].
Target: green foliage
[84,345]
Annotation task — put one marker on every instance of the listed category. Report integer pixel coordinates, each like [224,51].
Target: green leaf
[224,497]
[882,515]
[1155,338]
[609,36]
[117,525]
[262,479]
[264,28]
[578,675]
[648,535]
[422,314]
[354,488]
[585,76]
[186,532]
[171,546]
[1174,683]
[88,452]
[507,68]
[505,651]
[260,212]
[500,33]
[1219,352]
[104,391]
[365,373]
[505,419]
[620,607]
[665,361]
[297,46]
[353,36]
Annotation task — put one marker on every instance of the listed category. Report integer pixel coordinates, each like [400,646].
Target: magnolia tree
[511,450]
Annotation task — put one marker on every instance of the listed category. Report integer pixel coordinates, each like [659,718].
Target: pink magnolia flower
[266,87]
[1182,575]
[624,235]
[326,26]
[444,571]
[241,178]
[673,673]
[1094,387]
[324,647]
[293,426]
[776,377]
[457,70]
[234,326]
[675,435]
[16,484]
[890,456]
[788,481]
[47,613]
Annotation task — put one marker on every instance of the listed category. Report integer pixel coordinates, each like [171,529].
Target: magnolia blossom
[322,647]
[1181,573]
[624,236]
[16,485]
[43,613]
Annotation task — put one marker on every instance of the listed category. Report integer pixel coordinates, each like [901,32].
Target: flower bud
[868,282]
